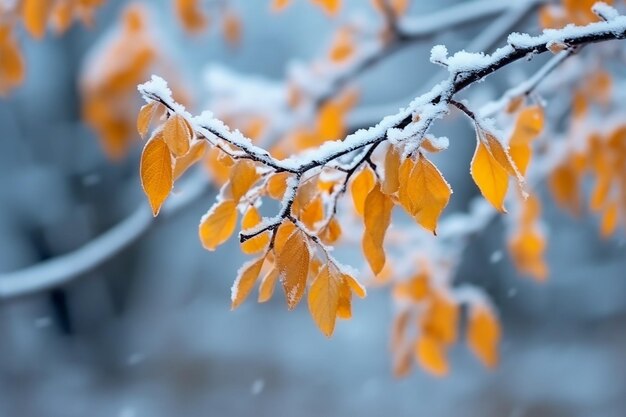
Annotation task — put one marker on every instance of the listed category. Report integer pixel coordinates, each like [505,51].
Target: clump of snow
[439,55]
[604,11]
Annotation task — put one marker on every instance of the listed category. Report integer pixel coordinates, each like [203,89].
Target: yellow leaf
[11,62]
[440,321]
[415,289]
[293,264]
[259,242]
[609,219]
[284,232]
[528,126]
[177,134]
[35,14]
[429,193]
[344,307]
[242,177]
[156,172]
[483,335]
[279,5]
[391,181]
[330,124]
[490,177]
[343,45]
[145,117]
[563,183]
[431,356]
[527,249]
[377,217]
[218,224]
[312,213]
[231,28]
[277,184]
[191,15]
[196,152]
[266,289]
[399,7]
[246,277]
[355,286]
[331,232]
[329,6]
[362,184]
[324,299]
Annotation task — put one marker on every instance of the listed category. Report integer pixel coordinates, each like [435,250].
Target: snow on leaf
[156,172]
[246,278]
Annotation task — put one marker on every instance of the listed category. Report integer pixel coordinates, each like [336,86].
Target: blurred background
[149,331]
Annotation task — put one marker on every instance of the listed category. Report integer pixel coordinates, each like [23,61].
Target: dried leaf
[391,181]
[197,150]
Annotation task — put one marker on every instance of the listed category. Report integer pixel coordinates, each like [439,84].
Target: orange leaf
[428,192]
[196,152]
[344,307]
[483,335]
[277,184]
[563,183]
[11,62]
[266,289]
[330,124]
[218,224]
[324,298]
[191,15]
[156,172]
[609,219]
[391,182]
[398,7]
[293,264]
[377,217]
[35,14]
[145,117]
[528,126]
[490,177]
[242,177]
[331,232]
[246,277]
[362,184]
[279,5]
[259,242]
[441,319]
[329,6]
[231,28]
[431,355]
[177,134]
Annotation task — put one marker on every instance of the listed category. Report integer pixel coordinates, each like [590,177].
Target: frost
[605,11]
